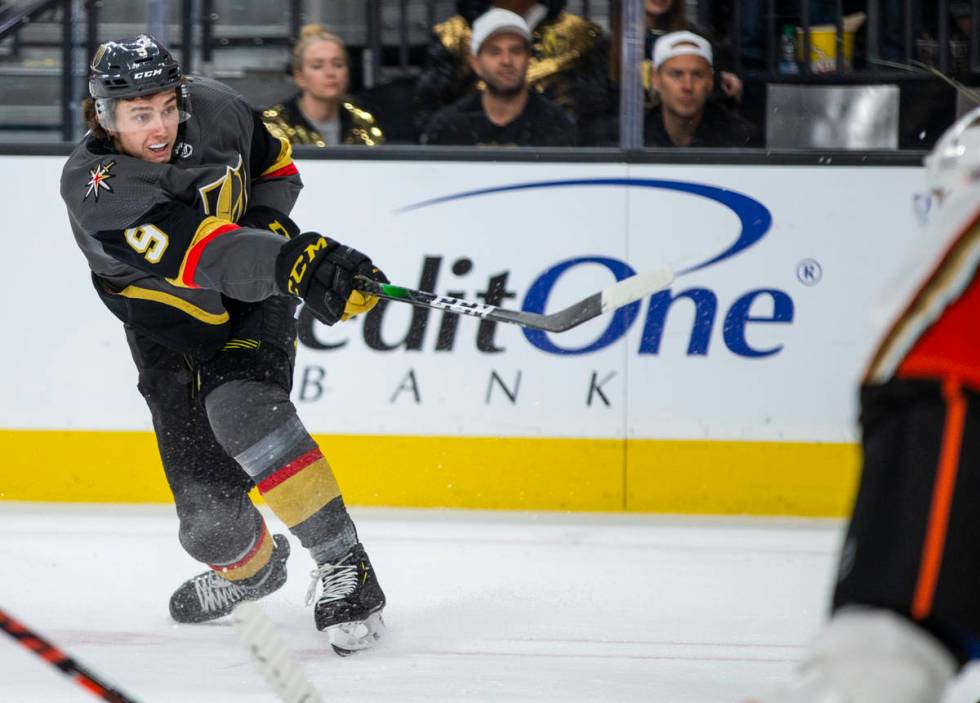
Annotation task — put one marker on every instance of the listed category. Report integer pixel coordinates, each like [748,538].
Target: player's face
[324,74]
[684,83]
[502,63]
[146,128]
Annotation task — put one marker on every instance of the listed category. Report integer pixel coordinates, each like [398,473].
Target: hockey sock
[250,566]
[258,425]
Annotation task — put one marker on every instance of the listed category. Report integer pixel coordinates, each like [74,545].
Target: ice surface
[482,607]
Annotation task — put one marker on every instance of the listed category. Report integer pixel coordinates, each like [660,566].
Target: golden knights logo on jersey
[227,197]
[98,179]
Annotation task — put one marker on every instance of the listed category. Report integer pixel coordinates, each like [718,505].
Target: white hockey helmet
[954,162]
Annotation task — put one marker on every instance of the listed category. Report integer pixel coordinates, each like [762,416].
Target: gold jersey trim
[285,155]
[207,226]
[188,308]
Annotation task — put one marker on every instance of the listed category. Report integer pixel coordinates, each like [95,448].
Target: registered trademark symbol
[809,272]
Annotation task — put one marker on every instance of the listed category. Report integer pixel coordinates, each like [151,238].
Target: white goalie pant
[866,655]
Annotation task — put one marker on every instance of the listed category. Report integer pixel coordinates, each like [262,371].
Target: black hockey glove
[321,272]
[264,217]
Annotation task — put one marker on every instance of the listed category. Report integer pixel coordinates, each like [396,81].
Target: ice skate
[350,604]
[869,656]
[208,596]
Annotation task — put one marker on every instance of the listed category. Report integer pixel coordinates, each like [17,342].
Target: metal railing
[211,40]
[12,19]
[912,15]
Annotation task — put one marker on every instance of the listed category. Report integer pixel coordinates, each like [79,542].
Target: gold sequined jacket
[569,64]
[356,126]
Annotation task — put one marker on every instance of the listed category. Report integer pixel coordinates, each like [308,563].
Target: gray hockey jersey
[171,245]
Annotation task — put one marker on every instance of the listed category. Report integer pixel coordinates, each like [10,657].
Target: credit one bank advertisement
[762,336]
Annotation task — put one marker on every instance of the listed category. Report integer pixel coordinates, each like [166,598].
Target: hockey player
[906,611]
[179,197]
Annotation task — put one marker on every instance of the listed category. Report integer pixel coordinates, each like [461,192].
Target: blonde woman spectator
[321,113]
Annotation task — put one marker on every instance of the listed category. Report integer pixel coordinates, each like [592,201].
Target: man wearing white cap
[506,113]
[684,76]
[569,61]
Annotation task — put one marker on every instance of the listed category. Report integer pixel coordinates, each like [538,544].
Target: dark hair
[91,119]
[673,20]
[469,10]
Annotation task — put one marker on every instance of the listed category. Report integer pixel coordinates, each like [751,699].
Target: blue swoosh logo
[754,217]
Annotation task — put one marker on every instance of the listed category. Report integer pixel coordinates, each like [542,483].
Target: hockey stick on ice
[271,657]
[58,659]
[615,296]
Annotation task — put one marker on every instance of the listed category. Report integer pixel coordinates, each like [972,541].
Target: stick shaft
[33,642]
[612,298]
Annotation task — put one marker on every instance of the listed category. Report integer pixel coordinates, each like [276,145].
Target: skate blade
[348,638]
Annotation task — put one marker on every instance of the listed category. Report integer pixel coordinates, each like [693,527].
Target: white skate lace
[339,581]
[216,593]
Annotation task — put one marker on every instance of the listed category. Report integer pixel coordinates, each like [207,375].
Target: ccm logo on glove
[321,272]
[301,265]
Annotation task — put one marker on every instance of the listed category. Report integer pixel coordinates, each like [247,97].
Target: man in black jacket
[506,113]
[684,76]
[569,61]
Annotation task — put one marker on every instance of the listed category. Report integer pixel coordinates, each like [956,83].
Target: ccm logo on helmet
[147,74]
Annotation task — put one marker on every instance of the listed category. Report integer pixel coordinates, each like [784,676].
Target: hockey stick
[271,657]
[58,659]
[615,296]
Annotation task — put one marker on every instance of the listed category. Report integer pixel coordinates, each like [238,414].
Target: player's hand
[321,271]
[358,302]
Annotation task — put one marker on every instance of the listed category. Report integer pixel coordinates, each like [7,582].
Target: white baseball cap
[681,44]
[497,20]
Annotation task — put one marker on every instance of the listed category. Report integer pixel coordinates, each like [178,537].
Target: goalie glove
[321,272]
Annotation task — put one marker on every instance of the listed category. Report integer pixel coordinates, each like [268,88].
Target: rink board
[693,477]
[734,392]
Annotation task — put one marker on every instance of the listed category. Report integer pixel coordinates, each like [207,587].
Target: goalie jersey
[175,248]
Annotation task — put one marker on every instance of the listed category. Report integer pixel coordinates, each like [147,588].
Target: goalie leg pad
[911,542]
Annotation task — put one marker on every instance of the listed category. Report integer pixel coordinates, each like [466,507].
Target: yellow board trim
[173,301]
[735,478]
[608,475]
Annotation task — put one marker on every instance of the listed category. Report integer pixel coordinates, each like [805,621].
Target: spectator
[322,113]
[664,16]
[683,76]
[569,59]
[506,113]
[958,32]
